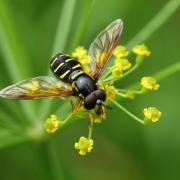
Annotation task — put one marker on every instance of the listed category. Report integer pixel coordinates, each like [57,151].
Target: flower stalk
[127,112]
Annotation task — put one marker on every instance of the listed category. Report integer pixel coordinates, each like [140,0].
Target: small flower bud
[84,145]
[151,115]
[120,52]
[149,83]
[117,70]
[141,50]
[124,63]
[98,117]
[111,91]
[52,124]
[81,54]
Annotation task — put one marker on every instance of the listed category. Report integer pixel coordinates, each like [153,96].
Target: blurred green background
[30,32]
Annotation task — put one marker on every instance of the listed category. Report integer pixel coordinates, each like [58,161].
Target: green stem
[110,78]
[127,90]
[90,129]
[48,161]
[155,23]
[159,76]
[67,119]
[64,26]
[130,71]
[14,56]
[81,28]
[107,74]
[172,69]
[127,112]
[121,94]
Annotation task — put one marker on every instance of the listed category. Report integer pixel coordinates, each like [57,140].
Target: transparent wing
[103,46]
[37,88]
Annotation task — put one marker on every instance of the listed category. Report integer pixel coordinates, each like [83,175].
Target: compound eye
[90,101]
[100,94]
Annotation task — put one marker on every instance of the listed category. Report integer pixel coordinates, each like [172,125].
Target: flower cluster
[52,124]
[141,50]
[82,55]
[110,90]
[84,145]
[120,52]
[151,114]
[98,117]
[149,83]
[121,67]
[121,63]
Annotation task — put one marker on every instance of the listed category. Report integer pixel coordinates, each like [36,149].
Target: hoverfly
[71,79]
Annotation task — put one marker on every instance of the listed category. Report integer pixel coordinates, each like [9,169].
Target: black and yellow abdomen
[63,66]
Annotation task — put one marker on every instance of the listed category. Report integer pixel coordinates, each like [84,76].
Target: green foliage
[30,32]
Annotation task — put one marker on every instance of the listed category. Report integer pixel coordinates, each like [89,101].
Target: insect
[71,79]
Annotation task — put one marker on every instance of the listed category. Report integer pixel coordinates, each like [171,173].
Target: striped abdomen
[63,66]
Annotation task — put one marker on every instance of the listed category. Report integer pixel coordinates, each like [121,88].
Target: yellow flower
[120,65]
[149,83]
[84,145]
[117,70]
[52,124]
[151,114]
[110,90]
[81,54]
[141,50]
[98,118]
[124,63]
[120,52]
[117,73]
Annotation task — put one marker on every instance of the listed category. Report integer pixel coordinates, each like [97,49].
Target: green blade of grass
[14,57]
[155,23]
[48,160]
[64,26]
[81,27]
[172,69]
